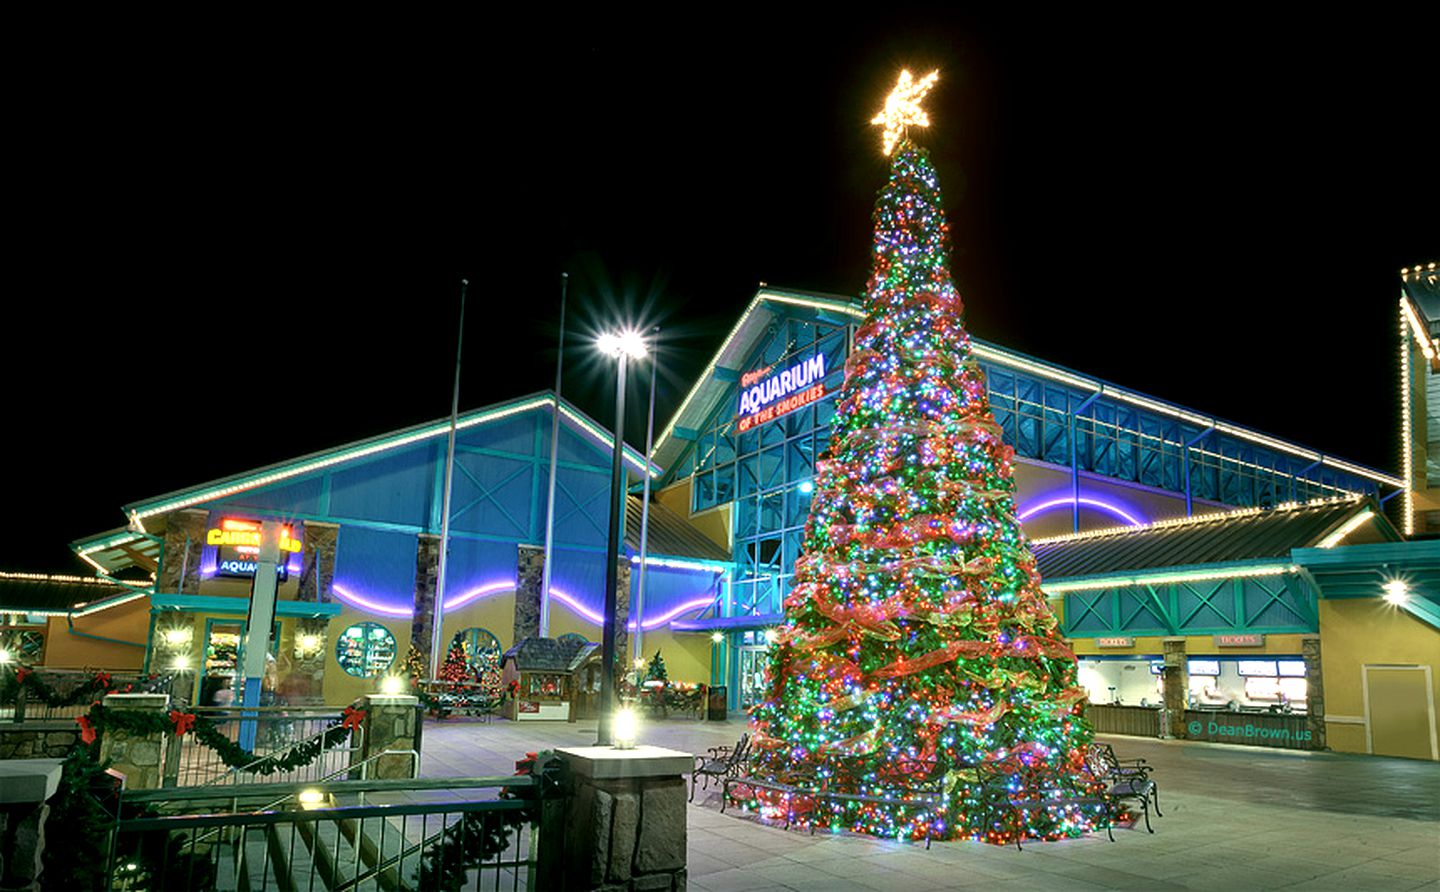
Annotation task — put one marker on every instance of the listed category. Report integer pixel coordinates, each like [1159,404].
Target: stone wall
[184,540]
[38,740]
[624,825]
[427,573]
[1315,691]
[139,757]
[318,580]
[392,722]
[530,576]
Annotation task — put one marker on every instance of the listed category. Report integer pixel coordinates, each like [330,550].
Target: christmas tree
[487,674]
[656,670]
[918,646]
[456,668]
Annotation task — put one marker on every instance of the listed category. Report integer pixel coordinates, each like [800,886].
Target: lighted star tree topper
[918,651]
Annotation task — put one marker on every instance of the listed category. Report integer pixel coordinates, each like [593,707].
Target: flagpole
[645,512]
[554,461]
[437,618]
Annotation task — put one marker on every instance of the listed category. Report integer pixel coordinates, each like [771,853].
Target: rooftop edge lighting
[343,454]
[1162,578]
[1015,361]
[1198,518]
[1407,461]
[1346,529]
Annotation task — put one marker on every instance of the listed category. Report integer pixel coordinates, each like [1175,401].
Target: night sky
[240,247]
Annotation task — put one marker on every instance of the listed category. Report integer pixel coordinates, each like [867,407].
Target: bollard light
[392,684]
[311,799]
[625,729]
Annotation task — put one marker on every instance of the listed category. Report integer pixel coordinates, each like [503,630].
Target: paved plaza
[1236,818]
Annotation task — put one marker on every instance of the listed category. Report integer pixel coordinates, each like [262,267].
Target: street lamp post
[622,347]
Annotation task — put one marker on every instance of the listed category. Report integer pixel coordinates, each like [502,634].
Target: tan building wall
[1360,632]
[124,622]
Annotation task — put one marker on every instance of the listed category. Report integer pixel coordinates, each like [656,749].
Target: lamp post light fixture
[621,346]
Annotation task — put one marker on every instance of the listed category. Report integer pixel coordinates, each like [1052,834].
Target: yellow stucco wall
[1356,632]
[125,622]
[687,654]
[714,523]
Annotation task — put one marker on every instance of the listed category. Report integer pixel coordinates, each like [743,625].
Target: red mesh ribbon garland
[903,667]
[184,722]
[963,716]
[352,718]
[87,730]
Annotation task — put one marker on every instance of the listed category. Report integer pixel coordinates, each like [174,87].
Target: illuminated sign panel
[766,394]
[237,547]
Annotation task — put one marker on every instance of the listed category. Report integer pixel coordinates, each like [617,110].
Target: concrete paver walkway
[1236,818]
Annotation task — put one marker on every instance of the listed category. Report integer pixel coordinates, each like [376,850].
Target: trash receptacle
[715,706]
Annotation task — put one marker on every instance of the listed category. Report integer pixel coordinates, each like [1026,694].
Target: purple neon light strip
[491,588]
[1107,507]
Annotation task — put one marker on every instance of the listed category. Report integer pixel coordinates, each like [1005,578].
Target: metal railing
[25,709]
[337,840]
[276,730]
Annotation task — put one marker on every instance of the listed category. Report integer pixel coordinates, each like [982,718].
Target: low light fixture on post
[626,729]
[621,346]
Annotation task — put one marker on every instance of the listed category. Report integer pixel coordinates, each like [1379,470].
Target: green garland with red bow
[38,690]
[101,719]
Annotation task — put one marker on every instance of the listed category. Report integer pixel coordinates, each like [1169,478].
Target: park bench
[925,794]
[1038,788]
[790,790]
[1126,780]
[722,763]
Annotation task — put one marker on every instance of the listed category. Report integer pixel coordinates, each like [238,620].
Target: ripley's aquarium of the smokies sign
[766,394]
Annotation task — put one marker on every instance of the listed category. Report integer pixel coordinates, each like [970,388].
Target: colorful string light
[918,648]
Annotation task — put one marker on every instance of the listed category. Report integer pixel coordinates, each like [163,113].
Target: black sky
[235,248]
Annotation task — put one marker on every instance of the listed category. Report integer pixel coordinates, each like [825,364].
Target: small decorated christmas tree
[918,647]
[487,675]
[456,668]
[656,670]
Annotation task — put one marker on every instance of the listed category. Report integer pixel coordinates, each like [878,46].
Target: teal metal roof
[670,534]
[1421,285]
[1237,537]
[47,595]
[226,486]
[716,380]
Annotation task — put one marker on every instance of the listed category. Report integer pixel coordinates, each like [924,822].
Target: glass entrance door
[753,660]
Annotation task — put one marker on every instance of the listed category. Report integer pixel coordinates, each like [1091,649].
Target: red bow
[352,717]
[184,722]
[21,674]
[87,730]
[102,679]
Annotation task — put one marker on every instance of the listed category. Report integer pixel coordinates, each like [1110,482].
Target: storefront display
[365,650]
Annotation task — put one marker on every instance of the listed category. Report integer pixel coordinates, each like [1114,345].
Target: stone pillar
[139,757]
[427,572]
[25,784]
[1315,691]
[529,576]
[622,613]
[306,683]
[1176,682]
[317,584]
[624,827]
[184,539]
[392,722]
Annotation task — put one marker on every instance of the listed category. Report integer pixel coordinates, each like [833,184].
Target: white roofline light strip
[427,432]
[1407,461]
[1161,577]
[1422,337]
[1011,360]
[1210,517]
[1346,529]
[110,602]
[57,577]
